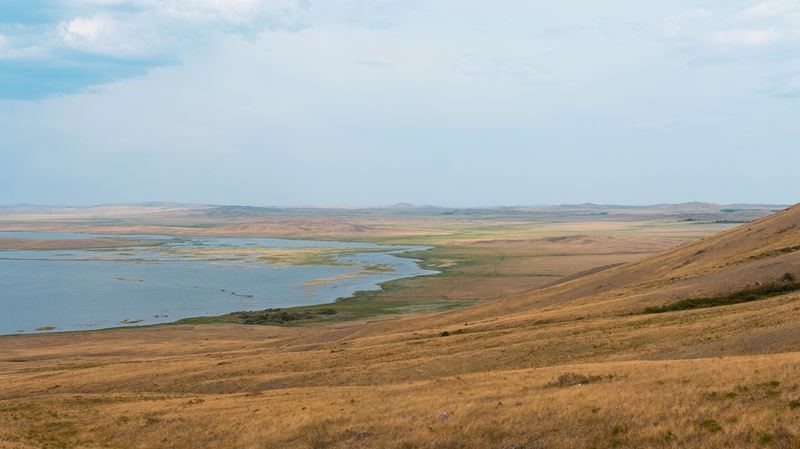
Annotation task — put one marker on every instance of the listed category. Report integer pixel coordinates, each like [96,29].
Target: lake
[182,277]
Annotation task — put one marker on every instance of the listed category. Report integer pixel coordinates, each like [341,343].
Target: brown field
[88,243]
[551,352]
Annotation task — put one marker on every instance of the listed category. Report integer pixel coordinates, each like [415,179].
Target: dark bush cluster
[278,316]
[786,285]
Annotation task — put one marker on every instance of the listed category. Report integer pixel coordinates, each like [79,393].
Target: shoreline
[476,260]
[309,312]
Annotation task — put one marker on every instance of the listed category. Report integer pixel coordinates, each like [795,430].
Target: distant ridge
[405,205]
[241,211]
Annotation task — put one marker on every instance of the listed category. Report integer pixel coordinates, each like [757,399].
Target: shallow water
[67,290]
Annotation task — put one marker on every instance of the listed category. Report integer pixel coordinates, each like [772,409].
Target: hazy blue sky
[355,102]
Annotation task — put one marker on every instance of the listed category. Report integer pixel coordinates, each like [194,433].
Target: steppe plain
[571,326]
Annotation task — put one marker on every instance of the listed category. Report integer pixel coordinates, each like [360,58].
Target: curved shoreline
[375,288]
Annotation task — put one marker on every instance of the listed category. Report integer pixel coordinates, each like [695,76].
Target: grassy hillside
[577,364]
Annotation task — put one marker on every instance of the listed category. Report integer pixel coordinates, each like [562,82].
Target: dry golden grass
[573,365]
[643,404]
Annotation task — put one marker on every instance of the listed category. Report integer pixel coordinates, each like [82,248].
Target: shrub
[765,437]
[711,425]
[278,316]
[748,295]
[571,379]
[776,252]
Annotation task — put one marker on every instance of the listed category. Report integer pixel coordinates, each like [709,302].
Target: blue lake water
[94,289]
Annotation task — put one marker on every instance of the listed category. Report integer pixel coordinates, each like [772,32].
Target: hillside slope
[753,255]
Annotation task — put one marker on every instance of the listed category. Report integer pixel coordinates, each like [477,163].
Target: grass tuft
[765,437]
[711,425]
[572,379]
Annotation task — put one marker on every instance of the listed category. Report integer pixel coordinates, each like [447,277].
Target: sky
[370,102]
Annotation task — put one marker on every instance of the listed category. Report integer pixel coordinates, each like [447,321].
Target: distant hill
[240,211]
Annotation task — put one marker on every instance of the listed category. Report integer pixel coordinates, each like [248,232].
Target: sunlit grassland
[702,403]
[464,232]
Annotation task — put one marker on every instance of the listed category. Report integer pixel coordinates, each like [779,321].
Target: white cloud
[87,29]
[79,3]
[103,34]
[786,85]
[142,28]
[770,9]
[685,23]
[761,24]
[746,37]
[236,12]
[11,49]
